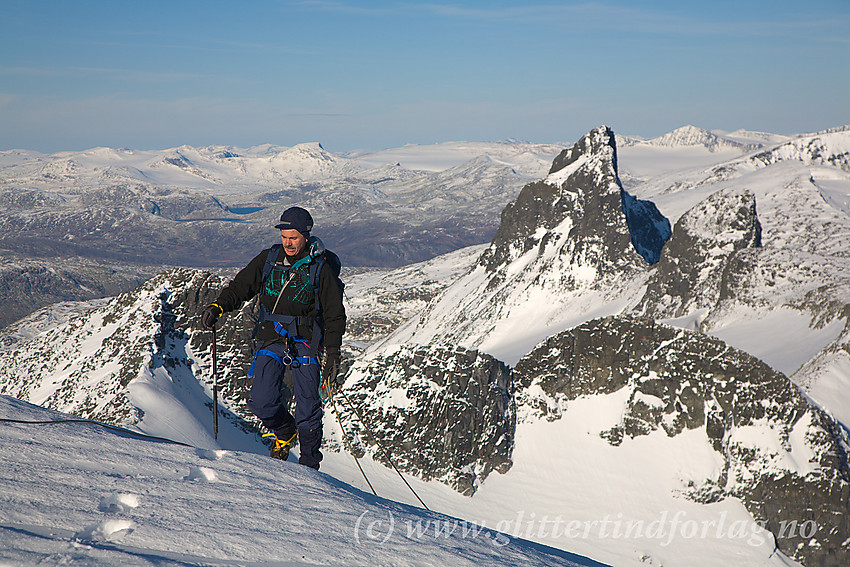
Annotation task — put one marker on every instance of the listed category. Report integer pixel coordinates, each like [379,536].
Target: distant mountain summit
[574,232]
[692,136]
[311,161]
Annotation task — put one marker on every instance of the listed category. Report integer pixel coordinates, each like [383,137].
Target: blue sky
[372,75]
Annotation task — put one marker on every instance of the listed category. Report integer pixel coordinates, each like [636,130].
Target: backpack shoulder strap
[315,270]
[271,258]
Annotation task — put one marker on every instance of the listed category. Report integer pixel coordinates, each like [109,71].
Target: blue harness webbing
[287,327]
[285,360]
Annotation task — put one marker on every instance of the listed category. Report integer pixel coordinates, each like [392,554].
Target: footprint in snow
[210,454]
[105,530]
[201,474]
[118,503]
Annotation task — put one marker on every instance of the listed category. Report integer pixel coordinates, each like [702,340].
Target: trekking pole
[381,447]
[215,387]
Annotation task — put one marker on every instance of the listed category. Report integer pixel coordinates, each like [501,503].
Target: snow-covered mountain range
[644,339]
[138,210]
[155,206]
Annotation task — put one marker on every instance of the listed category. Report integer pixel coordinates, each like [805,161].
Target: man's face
[293,241]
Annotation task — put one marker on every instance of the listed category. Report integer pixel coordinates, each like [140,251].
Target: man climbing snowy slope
[302,318]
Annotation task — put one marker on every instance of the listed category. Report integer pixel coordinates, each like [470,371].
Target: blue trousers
[268,404]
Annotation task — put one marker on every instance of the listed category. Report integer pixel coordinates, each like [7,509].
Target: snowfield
[85,495]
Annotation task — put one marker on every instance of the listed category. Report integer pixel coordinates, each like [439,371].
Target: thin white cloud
[206,44]
[609,17]
[605,17]
[139,75]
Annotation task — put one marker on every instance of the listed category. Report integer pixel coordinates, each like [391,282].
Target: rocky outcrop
[783,457]
[442,413]
[578,207]
[709,252]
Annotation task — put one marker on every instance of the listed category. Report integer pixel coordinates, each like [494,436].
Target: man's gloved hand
[330,373]
[211,314]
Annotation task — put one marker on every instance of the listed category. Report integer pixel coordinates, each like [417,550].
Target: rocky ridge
[566,236]
[784,457]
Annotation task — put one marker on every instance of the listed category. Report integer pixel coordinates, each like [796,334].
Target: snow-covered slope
[378,301]
[749,137]
[524,157]
[92,496]
[127,361]
[680,150]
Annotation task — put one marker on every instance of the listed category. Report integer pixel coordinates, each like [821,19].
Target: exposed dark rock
[682,380]
[442,413]
[588,197]
[649,229]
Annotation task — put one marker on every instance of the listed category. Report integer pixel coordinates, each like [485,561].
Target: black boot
[309,441]
[283,440]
